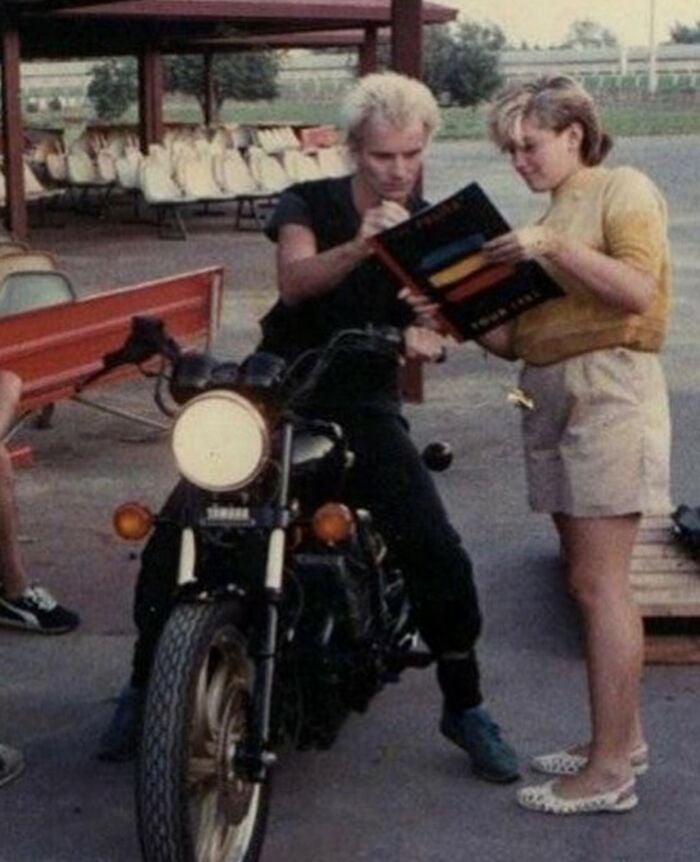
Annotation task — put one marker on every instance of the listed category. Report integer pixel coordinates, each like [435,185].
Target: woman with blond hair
[597,440]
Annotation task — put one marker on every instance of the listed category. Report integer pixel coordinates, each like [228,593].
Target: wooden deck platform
[665,578]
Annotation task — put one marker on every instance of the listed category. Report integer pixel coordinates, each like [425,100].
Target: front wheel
[192,806]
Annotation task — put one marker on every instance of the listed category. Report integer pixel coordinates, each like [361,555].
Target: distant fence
[675,89]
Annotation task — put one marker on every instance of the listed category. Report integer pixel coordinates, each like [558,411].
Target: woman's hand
[526,243]
[424,344]
[423,308]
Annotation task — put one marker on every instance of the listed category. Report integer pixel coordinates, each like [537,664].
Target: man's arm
[304,272]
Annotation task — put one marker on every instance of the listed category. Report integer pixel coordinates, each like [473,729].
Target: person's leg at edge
[13,578]
[12,573]
[598,558]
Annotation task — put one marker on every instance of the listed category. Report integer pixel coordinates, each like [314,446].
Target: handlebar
[384,341]
[147,338]
[194,372]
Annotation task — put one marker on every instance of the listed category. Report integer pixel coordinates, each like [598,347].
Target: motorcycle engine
[333,660]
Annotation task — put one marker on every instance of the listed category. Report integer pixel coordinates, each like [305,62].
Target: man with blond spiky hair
[328,280]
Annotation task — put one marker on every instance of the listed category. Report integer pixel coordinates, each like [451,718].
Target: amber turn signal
[332,523]
[132,521]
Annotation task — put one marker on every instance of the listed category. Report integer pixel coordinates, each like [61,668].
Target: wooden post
[209,111]
[367,52]
[12,134]
[150,97]
[407,58]
[406,37]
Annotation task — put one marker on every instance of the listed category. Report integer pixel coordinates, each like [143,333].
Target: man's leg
[155,585]
[11,763]
[392,481]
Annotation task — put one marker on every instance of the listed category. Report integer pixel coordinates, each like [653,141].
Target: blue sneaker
[120,741]
[474,731]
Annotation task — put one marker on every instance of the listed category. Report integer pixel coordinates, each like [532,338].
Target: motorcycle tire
[191,805]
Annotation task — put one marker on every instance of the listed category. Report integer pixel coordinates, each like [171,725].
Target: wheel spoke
[223,805]
[200,713]
[201,770]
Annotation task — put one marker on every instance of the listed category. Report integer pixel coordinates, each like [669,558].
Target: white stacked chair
[301,166]
[334,161]
[267,171]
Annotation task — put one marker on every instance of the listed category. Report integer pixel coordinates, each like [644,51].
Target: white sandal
[542,798]
[566,762]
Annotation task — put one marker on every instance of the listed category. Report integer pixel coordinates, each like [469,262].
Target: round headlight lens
[220,441]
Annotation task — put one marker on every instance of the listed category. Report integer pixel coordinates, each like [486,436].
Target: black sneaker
[474,731]
[36,610]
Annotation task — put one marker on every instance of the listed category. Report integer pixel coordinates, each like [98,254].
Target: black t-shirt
[367,295]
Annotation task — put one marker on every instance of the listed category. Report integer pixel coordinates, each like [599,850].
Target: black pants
[390,479]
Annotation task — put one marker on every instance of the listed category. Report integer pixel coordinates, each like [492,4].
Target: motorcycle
[289,612]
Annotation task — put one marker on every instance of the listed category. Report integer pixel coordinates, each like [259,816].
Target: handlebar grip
[147,338]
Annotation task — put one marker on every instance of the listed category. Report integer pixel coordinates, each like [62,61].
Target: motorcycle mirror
[437,456]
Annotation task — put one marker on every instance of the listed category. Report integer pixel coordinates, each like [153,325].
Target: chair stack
[30,279]
[246,165]
[34,189]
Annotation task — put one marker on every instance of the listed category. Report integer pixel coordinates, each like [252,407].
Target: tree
[113,87]
[462,63]
[249,76]
[586,33]
[686,35]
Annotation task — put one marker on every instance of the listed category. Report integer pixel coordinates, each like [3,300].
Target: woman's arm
[499,341]
[615,282]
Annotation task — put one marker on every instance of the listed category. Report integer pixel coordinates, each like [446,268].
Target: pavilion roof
[78,28]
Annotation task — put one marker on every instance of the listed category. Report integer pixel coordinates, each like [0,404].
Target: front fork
[256,757]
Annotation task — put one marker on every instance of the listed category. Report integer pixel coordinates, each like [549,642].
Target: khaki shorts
[597,442]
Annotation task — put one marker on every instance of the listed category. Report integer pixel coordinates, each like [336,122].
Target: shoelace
[40,598]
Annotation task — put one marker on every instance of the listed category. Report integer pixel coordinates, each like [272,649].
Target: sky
[545,22]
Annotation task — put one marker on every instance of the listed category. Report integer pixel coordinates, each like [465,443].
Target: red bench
[52,349]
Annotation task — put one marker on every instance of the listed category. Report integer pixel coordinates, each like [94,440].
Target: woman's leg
[598,558]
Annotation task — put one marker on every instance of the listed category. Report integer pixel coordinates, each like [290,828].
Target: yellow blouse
[621,213]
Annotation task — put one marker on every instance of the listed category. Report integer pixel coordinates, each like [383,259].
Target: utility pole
[653,77]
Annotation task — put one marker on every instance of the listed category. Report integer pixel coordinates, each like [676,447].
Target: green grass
[648,118]
[657,118]
[651,119]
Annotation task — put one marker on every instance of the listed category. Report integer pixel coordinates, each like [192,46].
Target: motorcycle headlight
[220,441]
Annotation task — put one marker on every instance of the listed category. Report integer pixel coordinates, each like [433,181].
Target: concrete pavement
[391,790]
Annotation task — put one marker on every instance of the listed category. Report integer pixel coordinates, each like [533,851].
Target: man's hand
[384,216]
[422,307]
[524,244]
[424,344]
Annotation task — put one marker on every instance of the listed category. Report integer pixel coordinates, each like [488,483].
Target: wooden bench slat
[53,348]
[662,551]
[666,564]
